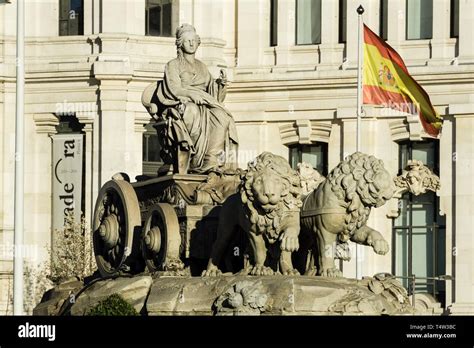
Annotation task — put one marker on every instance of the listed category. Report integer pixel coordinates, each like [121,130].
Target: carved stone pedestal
[277,295]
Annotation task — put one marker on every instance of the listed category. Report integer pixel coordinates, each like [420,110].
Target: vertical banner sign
[67,178]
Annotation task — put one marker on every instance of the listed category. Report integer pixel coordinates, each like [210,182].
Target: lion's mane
[354,183]
[269,223]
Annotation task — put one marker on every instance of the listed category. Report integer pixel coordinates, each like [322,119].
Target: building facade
[292,66]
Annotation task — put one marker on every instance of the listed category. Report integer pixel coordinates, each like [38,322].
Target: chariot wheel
[161,239]
[116,221]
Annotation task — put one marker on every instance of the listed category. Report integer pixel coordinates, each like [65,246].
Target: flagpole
[360,63]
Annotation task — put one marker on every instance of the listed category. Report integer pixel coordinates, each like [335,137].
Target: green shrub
[114,305]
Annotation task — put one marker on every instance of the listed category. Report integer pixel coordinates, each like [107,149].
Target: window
[419,231]
[342,20]
[158,18]
[273,22]
[454,18]
[419,19]
[151,151]
[383,19]
[314,154]
[71,17]
[308,22]
[424,151]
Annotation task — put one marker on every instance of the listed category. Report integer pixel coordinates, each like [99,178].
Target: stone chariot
[201,215]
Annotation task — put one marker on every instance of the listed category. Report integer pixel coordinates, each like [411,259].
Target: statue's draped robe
[208,130]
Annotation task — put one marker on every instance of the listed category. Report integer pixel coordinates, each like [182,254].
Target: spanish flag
[386,81]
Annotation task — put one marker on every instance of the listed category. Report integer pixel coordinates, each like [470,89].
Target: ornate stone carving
[338,210]
[384,286]
[243,298]
[193,125]
[218,186]
[305,131]
[267,209]
[416,179]
[46,123]
[391,289]
[310,178]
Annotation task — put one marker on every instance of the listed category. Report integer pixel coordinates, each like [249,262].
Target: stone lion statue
[337,211]
[267,209]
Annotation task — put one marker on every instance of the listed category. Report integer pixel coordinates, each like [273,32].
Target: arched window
[419,230]
[315,154]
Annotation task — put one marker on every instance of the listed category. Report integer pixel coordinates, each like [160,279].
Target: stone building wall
[279,96]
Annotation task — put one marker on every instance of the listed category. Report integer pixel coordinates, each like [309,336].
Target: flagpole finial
[360,10]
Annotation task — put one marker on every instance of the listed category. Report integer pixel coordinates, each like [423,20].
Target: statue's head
[187,40]
[270,182]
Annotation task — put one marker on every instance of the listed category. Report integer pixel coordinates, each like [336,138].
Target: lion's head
[360,182]
[269,188]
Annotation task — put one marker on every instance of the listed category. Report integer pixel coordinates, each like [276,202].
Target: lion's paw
[289,242]
[261,271]
[331,273]
[311,272]
[211,272]
[291,272]
[380,246]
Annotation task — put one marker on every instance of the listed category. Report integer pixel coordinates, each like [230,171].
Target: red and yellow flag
[386,81]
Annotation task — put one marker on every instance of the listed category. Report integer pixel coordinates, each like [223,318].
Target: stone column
[123,16]
[208,21]
[370,18]
[41,18]
[446,196]
[463,213]
[115,137]
[87,119]
[186,12]
[330,49]
[253,32]
[97,23]
[286,32]
[88,17]
[442,48]
[396,26]
[466,31]
[229,32]
[38,156]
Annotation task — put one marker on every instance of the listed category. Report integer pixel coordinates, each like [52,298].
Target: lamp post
[19,158]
